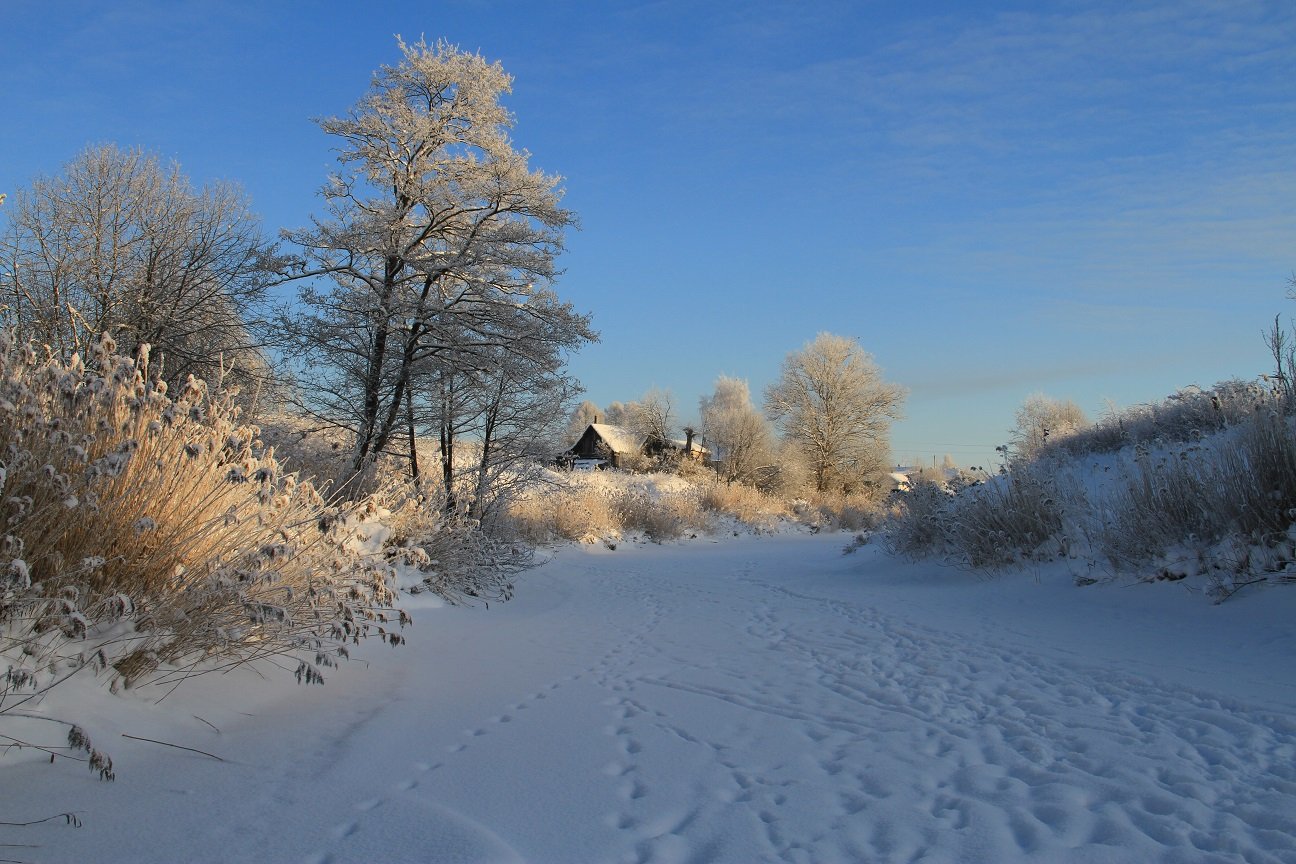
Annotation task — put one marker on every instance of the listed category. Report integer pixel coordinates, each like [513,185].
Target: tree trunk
[366,443]
[413,440]
[447,445]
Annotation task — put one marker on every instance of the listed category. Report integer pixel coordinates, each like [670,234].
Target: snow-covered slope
[751,699]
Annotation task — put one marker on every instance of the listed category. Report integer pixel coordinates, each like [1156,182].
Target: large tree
[834,408]
[437,235]
[737,434]
[120,243]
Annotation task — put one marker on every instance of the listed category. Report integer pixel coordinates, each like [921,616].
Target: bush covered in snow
[1225,507]
[1182,417]
[606,505]
[145,535]
[1208,490]
[1014,517]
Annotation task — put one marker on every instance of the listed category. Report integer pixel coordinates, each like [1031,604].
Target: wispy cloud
[1021,377]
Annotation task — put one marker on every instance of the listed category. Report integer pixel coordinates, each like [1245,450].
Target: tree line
[824,427]
[425,303]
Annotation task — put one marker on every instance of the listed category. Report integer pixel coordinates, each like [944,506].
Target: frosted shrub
[460,562]
[1187,416]
[1164,499]
[1228,510]
[861,511]
[1020,517]
[608,505]
[140,532]
[745,503]
[1258,478]
[918,525]
[568,512]
[1016,517]
[665,516]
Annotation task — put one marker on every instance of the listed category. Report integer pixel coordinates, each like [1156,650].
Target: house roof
[619,438]
[683,444]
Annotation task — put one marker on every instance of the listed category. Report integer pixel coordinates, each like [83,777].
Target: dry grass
[141,531]
[1012,518]
[1229,508]
[609,505]
[840,512]
[746,504]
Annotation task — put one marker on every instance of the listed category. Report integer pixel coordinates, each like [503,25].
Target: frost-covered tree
[832,405]
[653,416]
[506,401]
[437,234]
[737,434]
[120,243]
[621,414]
[584,414]
[1042,420]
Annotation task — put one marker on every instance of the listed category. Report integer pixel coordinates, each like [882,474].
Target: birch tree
[436,230]
[834,408]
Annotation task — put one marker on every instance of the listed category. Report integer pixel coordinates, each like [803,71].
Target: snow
[733,700]
[620,439]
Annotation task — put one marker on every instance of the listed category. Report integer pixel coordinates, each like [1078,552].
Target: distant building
[612,444]
[615,445]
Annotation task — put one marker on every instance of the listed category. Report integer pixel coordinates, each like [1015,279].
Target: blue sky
[1094,200]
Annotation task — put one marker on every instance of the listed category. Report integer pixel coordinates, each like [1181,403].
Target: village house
[605,445]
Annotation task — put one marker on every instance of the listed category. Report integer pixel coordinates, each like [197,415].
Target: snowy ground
[741,700]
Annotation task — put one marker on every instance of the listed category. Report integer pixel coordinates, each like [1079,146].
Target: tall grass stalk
[138,531]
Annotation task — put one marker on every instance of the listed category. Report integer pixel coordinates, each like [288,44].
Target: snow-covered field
[742,699]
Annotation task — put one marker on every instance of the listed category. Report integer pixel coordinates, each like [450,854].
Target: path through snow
[747,700]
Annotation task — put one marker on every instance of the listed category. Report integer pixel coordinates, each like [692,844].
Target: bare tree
[650,417]
[739,437]
[653,417]
[436,230]
[1042,421]
[1281,347]
[120,243]
[832,405]
[507,401]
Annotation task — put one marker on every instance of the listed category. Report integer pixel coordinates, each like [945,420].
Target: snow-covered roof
[683,444]
[619,438]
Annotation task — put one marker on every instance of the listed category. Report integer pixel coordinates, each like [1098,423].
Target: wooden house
[615,445]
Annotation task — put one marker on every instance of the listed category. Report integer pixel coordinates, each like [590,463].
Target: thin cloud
[1024,376]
